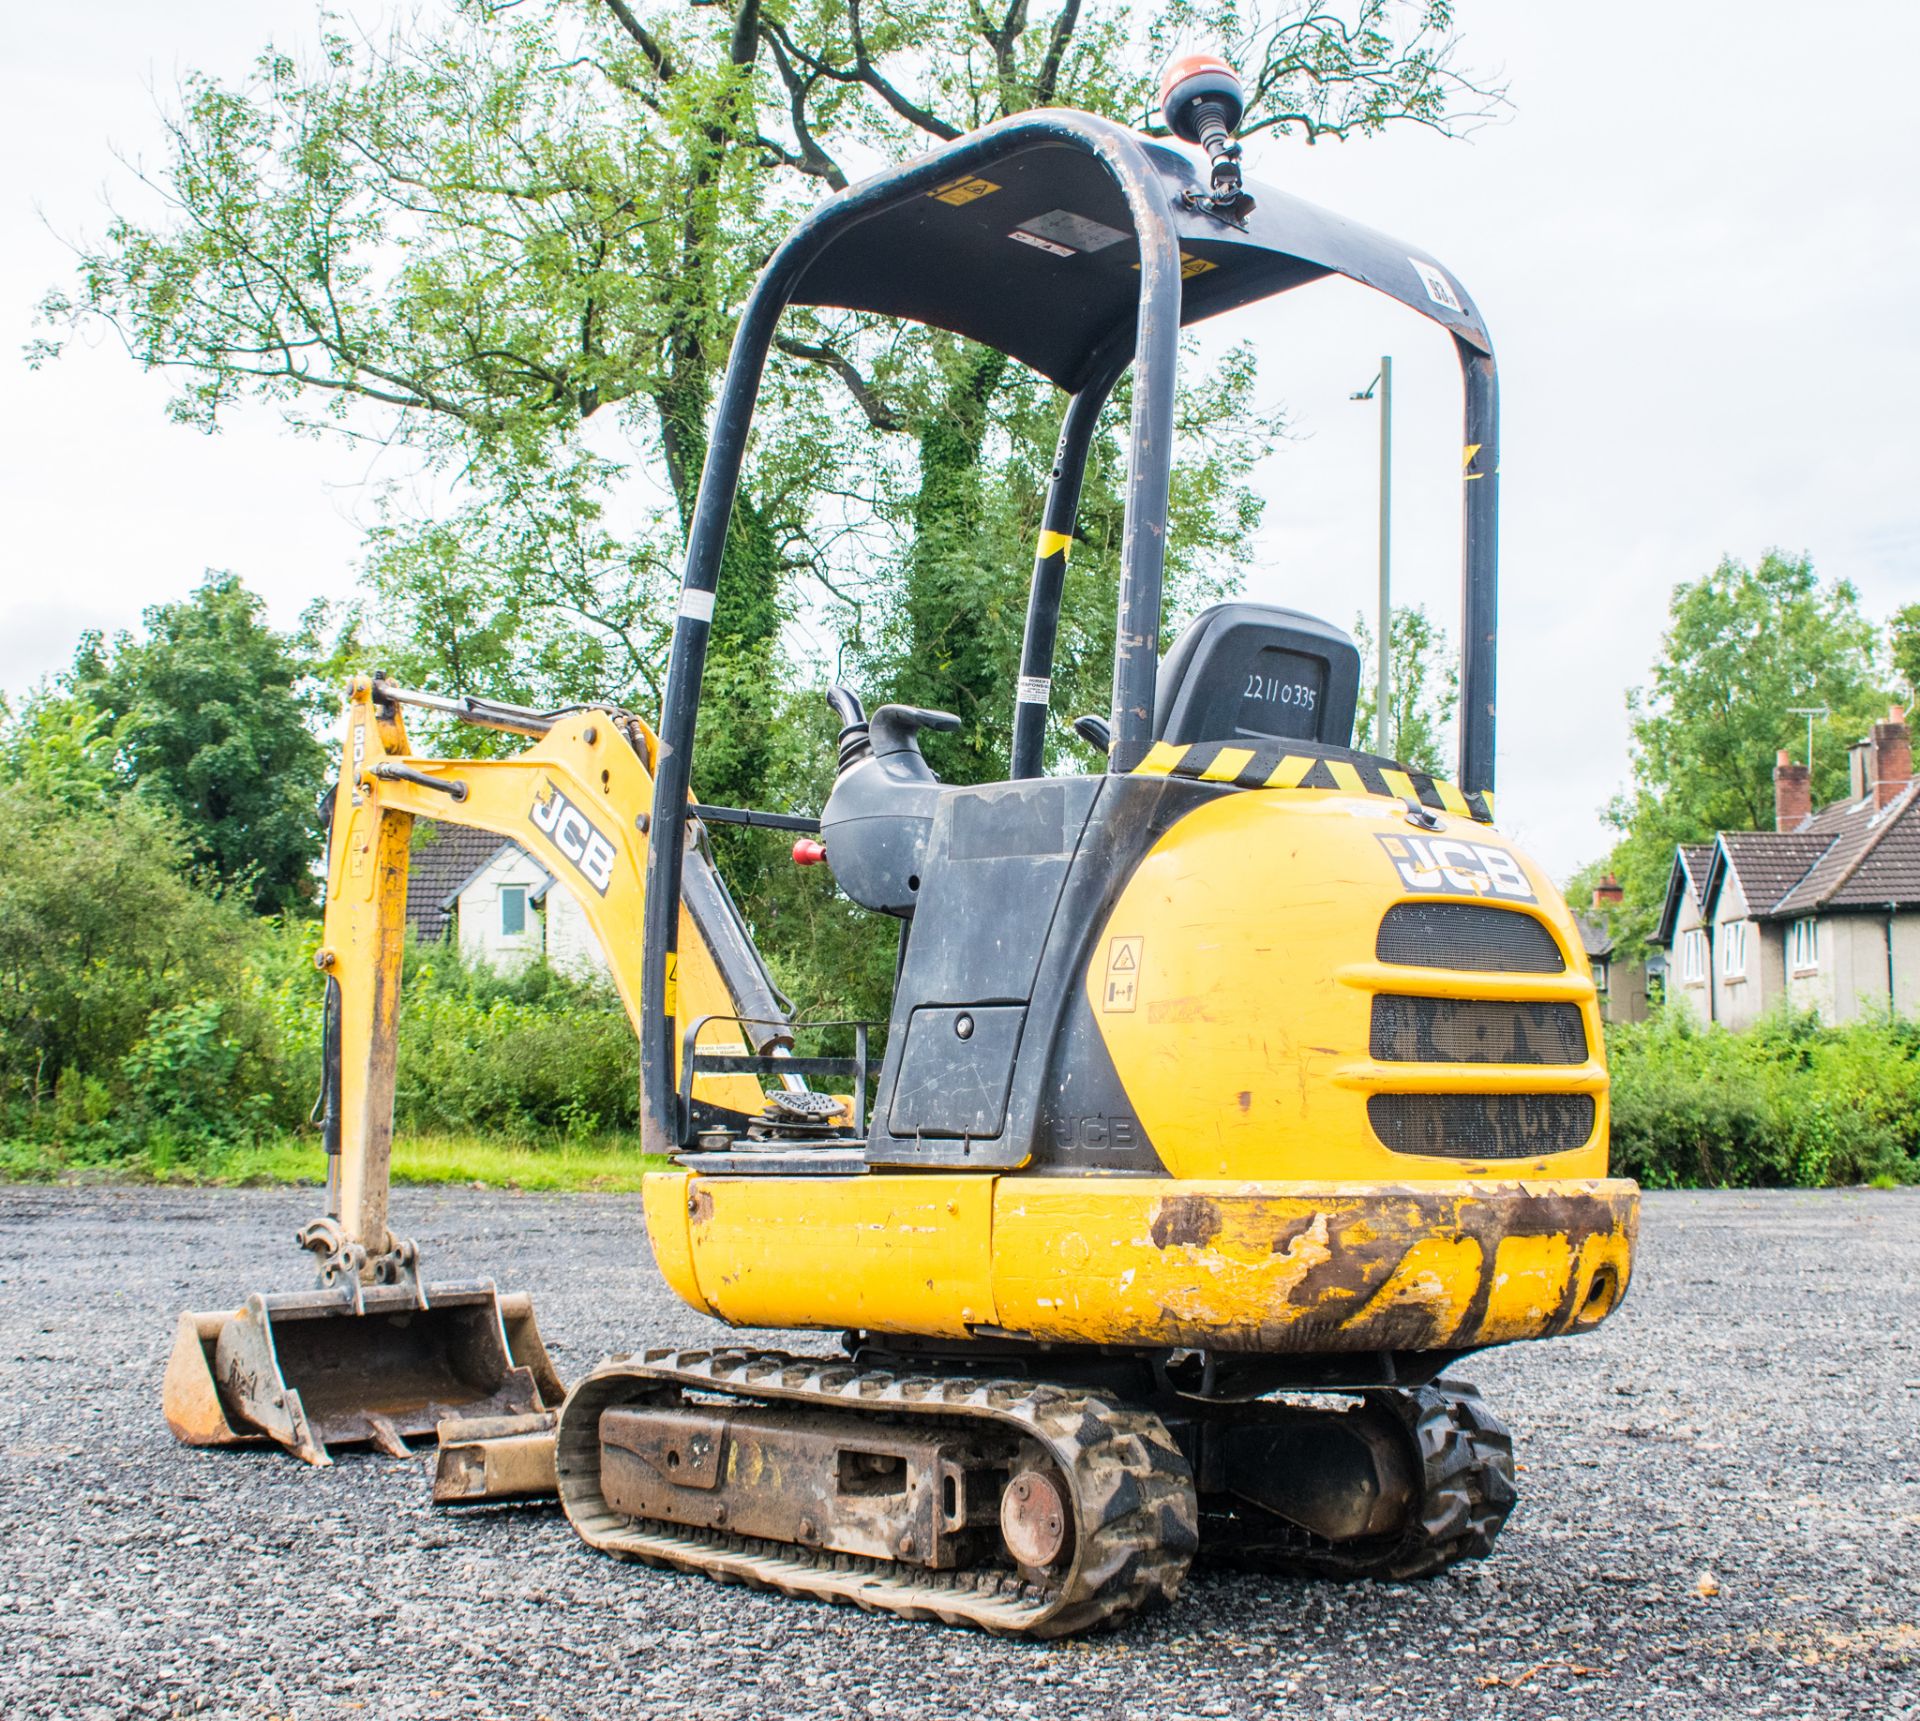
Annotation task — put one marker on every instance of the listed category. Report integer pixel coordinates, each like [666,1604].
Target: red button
[807,852]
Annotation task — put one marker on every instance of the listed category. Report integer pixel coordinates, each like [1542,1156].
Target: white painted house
[1821,913]
[499,903]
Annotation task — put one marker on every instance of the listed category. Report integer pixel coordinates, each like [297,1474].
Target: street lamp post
[1383,386]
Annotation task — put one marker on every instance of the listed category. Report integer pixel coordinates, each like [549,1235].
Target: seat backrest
[1257,672]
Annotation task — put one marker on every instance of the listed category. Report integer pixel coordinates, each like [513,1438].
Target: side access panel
[994,1061]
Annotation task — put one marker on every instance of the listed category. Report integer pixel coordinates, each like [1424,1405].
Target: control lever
[852,740]
[1097,732]
[896,728]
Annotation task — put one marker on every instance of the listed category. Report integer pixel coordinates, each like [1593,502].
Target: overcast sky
[1699,255]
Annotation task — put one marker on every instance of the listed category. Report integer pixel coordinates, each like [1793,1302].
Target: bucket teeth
[386,1437]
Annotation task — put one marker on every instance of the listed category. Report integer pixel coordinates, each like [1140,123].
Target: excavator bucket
[314,1369]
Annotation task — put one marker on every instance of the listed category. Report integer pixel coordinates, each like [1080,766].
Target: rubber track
[1136,1520]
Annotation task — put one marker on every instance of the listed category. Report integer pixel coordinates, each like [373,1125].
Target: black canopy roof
[1037,255]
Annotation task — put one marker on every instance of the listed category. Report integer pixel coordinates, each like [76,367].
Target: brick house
[496,902]
[1820,913]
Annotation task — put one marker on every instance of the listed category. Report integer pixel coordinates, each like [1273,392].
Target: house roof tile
[1596,934]
[1697,858]
[1769,864]
[1874,859]
[1851,855]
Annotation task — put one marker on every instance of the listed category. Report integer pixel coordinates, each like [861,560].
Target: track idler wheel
[1036,1520]
[1438,1489]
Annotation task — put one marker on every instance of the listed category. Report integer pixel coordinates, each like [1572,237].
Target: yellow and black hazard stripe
[1303,765]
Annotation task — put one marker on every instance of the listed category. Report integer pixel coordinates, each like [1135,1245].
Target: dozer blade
[313,1369]
[487,1459]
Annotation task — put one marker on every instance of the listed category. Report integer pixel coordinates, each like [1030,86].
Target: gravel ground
[1747,1427]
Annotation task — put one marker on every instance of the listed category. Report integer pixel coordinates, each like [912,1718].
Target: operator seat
[1257,673]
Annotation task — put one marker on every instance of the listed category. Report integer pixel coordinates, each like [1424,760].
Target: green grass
[604,1163]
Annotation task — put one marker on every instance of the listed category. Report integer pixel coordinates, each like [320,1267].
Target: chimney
[1608,892]
[1792,793]
[1891,751]
[1859,770]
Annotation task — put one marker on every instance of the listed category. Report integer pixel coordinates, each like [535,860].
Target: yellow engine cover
[1233,985]
[1235,979]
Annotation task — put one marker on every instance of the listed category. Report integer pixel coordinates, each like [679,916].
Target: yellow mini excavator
[1231,1095]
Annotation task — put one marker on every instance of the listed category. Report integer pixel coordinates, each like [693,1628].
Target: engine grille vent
[1482,1126]
[1465,935]
[1476,1031]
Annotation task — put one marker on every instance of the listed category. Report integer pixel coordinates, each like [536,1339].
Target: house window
[1733,950]
[1600,977]
[513,910]
[1693,957]
[1803,945]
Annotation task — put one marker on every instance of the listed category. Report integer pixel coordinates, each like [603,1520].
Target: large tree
[1747,652]
[513,240]
[1905,639]
[209,719]
[500,225]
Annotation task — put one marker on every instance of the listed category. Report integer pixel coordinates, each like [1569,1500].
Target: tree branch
[657,56]
[879,414]
[866,72]
[1047,79]
[812,158]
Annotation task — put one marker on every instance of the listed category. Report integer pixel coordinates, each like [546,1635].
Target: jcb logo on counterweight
[574,835]
[1435,865]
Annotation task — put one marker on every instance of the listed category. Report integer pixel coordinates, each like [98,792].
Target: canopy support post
[1050,571]
[1480,568]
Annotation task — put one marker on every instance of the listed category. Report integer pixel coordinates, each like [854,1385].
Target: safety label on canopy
[1439,288]
[967,189]
[1039,244]
[1063,233]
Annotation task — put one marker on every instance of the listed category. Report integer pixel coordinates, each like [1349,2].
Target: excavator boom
[373,1352]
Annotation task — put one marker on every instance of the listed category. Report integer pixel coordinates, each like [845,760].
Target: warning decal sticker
[967,189]
[1039,244]
[1075,232]
[1123,974]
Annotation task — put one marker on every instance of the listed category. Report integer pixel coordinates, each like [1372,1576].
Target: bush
[105,938]
[1788,1102]
[209,1070]
[146,1019]
[532,1052]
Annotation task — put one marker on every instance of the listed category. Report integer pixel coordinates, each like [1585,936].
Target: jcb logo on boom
[574,835]
[1435,865]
